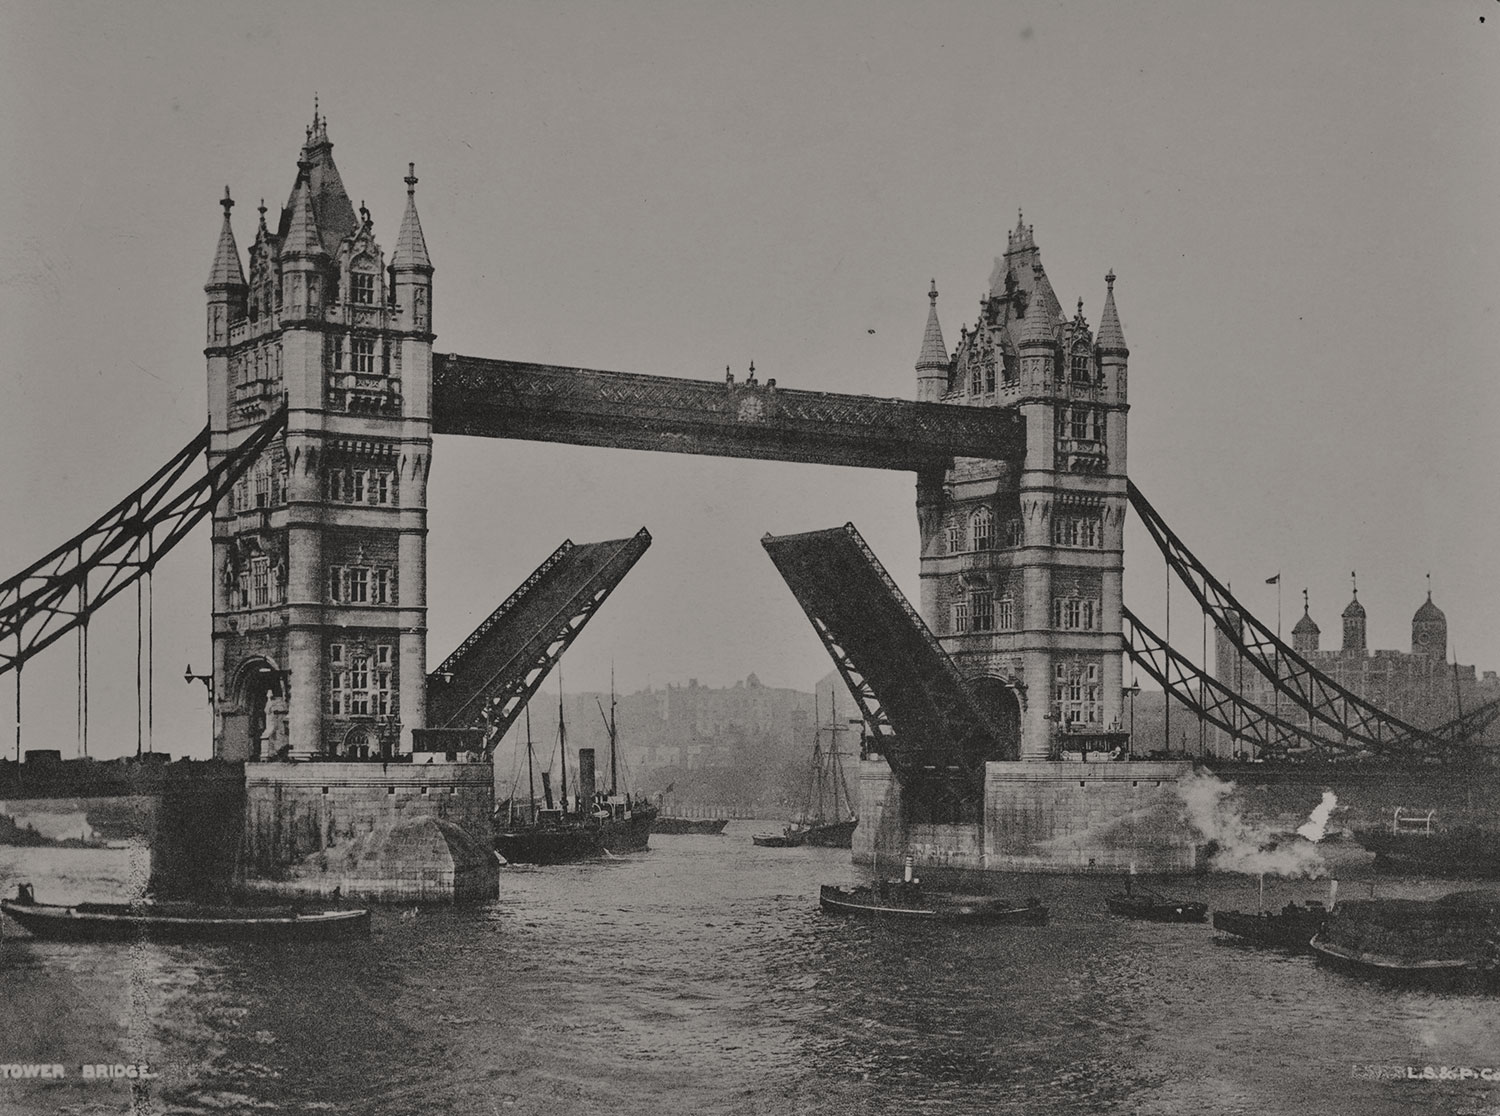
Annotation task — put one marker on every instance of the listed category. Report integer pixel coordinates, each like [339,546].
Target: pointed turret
[932,362]
[411,267]
[330,204]
[1042,312]
[1429,630]
[1111,337]
[226,273]
[411,245]
[299,225]
[226,288]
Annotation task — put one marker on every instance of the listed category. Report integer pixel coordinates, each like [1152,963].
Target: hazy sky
[1298,199]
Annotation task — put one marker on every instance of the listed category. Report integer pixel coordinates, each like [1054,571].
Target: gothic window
[383,680]
[961,617]
[989,375]
[359,685]
[362,355]
[1014,534]
[982,605]
[356,490]
[976,376]
[334,489]
[1081,426]
[262,484]
[362,288]
[384,588]
[380,487]
[1082,366]
[1008,368]
[1075,694]
[955,537]
[335,583]
[1005,614]
[1078,531]
[260,581]
[359,585]
[982,528]
[1075,614]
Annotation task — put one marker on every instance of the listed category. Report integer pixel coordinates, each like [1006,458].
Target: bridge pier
[1039,817]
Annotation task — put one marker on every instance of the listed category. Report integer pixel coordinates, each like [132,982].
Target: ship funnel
[586,776]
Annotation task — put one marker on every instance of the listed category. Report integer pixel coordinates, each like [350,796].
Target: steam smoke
[1245,847]
[1317,824]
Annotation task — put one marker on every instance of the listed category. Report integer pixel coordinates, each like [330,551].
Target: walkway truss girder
[913,699]
[1346,724]
[490,677]
[62,590]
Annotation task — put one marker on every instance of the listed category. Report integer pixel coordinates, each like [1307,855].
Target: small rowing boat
[177,922]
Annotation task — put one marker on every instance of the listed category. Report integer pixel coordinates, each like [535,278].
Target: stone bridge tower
[1021,562]
[319,553]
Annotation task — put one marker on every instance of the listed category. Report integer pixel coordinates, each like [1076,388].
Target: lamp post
[1130,692]
[207,679]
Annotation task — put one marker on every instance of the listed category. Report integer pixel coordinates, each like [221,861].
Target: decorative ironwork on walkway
[582,406]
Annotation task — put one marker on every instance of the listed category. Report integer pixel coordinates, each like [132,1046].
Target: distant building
[1420,687]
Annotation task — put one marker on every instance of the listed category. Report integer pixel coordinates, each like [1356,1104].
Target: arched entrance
[998,699]
[255,719]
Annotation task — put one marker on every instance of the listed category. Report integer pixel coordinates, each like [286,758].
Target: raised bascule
[991,707]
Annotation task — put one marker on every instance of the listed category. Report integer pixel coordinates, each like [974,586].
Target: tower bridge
[324,396]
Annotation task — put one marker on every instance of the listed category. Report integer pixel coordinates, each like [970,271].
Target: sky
[1298,201]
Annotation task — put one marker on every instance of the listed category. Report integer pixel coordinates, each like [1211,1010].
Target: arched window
[955,537]
[1083,366]
[982,528]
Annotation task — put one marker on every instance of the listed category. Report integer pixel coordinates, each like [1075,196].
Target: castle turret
[226,290]
[1429,630]
[1354,624]
[933,364]
[1305,634]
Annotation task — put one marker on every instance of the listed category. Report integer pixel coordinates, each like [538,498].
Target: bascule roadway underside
[583,406]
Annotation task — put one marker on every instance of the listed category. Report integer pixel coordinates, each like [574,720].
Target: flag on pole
[1274,580]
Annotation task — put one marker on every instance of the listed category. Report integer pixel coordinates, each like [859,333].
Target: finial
[752,369]
[1020,219]
[1429,585]
[1354,579]
[227,202]
[1304,602]
[364,214]
[932,294]
[411,179]
[1080,306]
[315,110]
[1109,281]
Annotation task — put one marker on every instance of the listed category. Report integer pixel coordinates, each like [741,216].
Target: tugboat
[907,900]
[1153,906]
[1292,927]
[821,825]
[180,922]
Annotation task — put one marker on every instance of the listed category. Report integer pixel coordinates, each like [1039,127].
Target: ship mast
[530,777]
[613,772]
[562,739]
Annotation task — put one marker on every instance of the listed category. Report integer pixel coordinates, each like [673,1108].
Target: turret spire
[411,246]
[934,353]
[1111,336]
[226,272]
[300,237]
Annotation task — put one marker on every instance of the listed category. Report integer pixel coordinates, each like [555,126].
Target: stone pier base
[1068,817]
[395,832]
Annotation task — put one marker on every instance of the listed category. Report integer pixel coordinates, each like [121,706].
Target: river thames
[700,977]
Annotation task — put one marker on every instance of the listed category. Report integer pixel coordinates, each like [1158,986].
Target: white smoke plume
[1317,824]
[1239,845]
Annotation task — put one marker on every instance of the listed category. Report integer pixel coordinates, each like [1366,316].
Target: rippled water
[700,977]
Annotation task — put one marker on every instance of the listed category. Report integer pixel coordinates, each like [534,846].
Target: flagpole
[1276,689]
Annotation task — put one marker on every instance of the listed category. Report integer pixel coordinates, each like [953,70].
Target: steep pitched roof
[411,245]
[1111,337]
[299,227]
[934,353]
[331,208]
[226,271]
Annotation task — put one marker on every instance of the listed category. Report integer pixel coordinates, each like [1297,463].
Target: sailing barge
[826,821]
